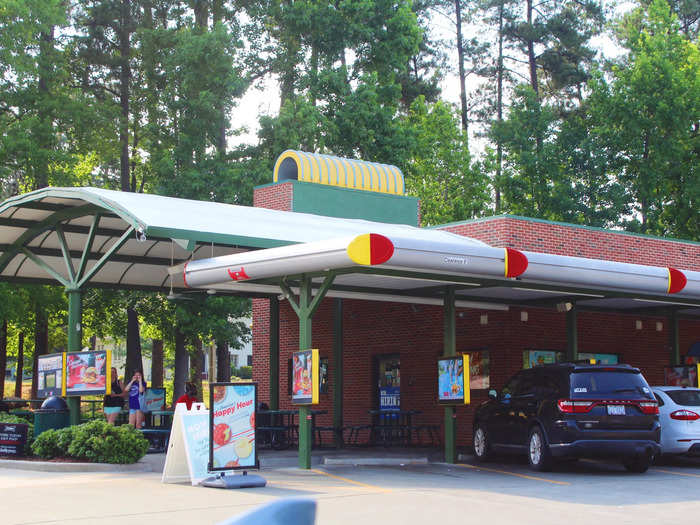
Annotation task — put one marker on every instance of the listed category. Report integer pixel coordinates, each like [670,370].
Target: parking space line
[676,473]
[516,474]
[351,481]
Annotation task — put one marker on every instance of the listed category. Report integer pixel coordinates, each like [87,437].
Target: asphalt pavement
[503,491]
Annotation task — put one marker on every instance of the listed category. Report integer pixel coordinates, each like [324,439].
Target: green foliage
[6,417]
[95,441]
[242,372]
[53,443]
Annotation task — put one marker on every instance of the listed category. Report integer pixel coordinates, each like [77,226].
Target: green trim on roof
[560,223]
[225,239]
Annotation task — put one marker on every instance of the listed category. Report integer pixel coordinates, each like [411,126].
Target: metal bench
[158,439]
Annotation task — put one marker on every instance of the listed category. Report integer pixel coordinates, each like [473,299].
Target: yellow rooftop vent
[337,171]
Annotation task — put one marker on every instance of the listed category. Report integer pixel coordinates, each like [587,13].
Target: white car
[679,415]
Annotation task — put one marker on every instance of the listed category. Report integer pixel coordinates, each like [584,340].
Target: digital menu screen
[50,375]
[453,383]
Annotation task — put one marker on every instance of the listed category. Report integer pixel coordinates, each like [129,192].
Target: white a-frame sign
[188,450]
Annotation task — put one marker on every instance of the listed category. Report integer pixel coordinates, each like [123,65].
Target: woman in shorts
[113,403]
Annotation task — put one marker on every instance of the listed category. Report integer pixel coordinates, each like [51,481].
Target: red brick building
[413,334]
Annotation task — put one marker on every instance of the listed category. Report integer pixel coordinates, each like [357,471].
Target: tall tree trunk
[197,360]
[20,365]
[217,13]
[157,363]
[124,92]
[3,356]
[134,360]
[41,344]
[93,342]
[460,59]
[180,365]
[499,108]
[45,62]
[201,14]
[223,362]
[531,53]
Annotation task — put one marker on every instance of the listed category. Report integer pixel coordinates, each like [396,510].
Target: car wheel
[538,453]
[638,465]
[482,444]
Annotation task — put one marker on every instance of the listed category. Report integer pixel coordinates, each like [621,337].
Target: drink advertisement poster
[305,377]
[88,373]
[232,427]
[479,362]
[50,375]
[154,399]
[453,383]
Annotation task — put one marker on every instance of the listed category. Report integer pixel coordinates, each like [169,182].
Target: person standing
[189,397]
[113,403]
[136,388]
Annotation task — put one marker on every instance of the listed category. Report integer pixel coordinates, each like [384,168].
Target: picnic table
[396,427]
[279,428]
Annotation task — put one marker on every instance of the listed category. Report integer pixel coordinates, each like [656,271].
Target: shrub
[53,443]
[243,372]
[100,442]
[6,417]
[95,441]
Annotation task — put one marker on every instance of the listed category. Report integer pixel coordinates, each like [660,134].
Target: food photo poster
[232,435]
[87,373]
[305,377]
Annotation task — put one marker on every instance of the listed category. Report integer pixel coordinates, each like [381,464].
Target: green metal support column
[305,317]
[338,370]
[450,349]
[305,309]
[74,343]
[274,353]
[571,334]
[674,338]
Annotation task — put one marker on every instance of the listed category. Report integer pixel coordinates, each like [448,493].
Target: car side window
[658,398]
[511,387]
[526,385]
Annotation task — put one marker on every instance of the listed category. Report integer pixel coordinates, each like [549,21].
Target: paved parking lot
[505,491]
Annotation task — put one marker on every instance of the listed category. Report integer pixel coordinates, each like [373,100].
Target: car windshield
[599,382]
[688,398]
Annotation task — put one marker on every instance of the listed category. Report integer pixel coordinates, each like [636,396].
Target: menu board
[600,359]
[305,377]
[453,383]
[232,426]
[13,439]
[49,375]
[153,399]
[88,373]
[479,362]
[532,358]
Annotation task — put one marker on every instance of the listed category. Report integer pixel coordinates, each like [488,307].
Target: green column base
[450,435]
[305,437]
[74,409]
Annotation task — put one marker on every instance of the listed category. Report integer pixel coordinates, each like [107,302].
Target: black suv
[571,411]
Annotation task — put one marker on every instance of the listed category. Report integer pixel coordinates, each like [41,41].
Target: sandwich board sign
[188,449]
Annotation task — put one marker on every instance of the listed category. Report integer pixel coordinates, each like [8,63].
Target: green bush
[53,443]
[6,417]
[243,372]
[95,441]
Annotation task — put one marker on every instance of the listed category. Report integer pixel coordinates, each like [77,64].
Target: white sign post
[188,450]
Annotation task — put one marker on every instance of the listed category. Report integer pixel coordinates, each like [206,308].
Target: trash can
[52,414]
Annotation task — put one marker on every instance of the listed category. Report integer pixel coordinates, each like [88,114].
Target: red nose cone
[676,280]
[381,248]
[516,262]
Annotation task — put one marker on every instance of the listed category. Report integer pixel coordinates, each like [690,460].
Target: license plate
[616,410]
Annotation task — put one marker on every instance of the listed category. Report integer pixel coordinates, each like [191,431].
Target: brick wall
[274,197]
[415,332]
[567,239]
